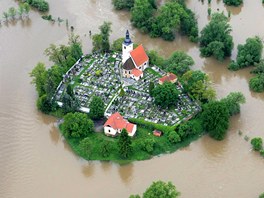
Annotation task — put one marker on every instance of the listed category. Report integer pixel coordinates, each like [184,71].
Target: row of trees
[164,21]
[40,5]
[13,13]
[216,114]
[47,80]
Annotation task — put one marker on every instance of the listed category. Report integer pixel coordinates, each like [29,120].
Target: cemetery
[101,75]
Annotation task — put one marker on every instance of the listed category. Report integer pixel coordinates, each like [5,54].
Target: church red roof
[139,55]
[116,121]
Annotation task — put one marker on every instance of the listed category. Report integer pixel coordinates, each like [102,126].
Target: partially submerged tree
[215,119]
[215,38]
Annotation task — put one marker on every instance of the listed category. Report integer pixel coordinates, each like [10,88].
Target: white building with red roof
[135,61]
[116,123]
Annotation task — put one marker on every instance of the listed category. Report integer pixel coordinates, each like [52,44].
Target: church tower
[127,47]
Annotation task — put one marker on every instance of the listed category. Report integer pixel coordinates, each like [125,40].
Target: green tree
[39,76]
[257,143]
[215,118]
[257,83]
[174,137]
[117,45]
[198,85]
[190,128]
[141,13]
[233,101]
[6,15]
[26,8]
[148,145]
[75,46]
[233,2]
[70,103]
[134,196]
[86,146]
[125,144]
[179,63]
[105,32]
[44,104]
[165,95]
[151,87]
[105,148]
[77,125]
[167,21]
[215,38]
[162,190]
[12,13]
[155,58]
[123,4]
[261,195]
[97,42]
[248,54]
[21,10]
[96,107]
[189,24]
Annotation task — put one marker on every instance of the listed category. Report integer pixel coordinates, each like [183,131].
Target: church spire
[127,40]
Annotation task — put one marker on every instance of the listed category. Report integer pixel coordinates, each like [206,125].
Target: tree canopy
[249,54]
[233,2]
[198,85]
[215,118]
[125,144]
[215,38]
[101,41]
[96,108]
[256,83]
[162,190]
[233,101]
[165,95]
[77,125]
[178,63]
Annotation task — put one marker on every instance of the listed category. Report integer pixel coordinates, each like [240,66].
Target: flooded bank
[35,161]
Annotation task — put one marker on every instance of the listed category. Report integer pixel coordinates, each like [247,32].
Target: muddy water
[36,162]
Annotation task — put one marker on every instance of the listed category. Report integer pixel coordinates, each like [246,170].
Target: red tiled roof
[136,72]
[116,121]
[169,77]
[139,55]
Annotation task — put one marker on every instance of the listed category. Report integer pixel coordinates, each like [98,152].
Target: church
[135,61]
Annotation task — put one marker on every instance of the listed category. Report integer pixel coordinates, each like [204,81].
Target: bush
[257,83]
[41,5]
[233,2]
[173,137]
[148,145]
[262,154]
[77,125]
[44,104]
[261,196]
[256,143]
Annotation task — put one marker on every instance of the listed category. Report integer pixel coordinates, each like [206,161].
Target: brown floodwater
[35,161]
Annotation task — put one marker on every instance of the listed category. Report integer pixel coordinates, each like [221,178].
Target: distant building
[170,77]
[115,123]
[135,61]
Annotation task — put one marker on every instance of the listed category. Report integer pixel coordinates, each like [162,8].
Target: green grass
[151,71]
[162,146]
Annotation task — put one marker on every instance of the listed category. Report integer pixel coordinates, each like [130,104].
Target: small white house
[115,123]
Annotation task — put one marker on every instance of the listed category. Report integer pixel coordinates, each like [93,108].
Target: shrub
[173,137]
[148,145]
[256,143]
[262,154]
[41,5]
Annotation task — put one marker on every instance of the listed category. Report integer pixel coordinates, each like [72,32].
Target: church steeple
[127,47]
[127,40]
